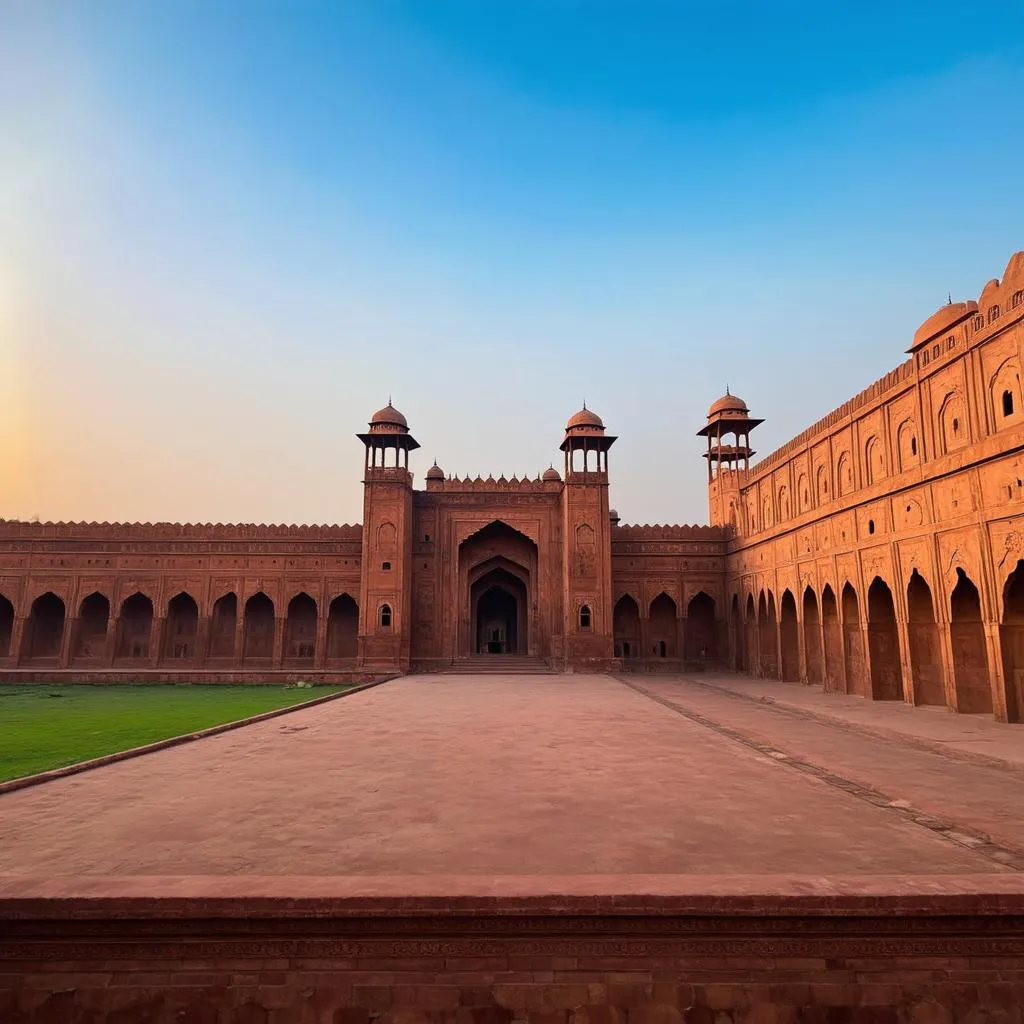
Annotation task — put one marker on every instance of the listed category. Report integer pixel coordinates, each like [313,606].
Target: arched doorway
[342,627]
[6,626]
[45,628]
[223,626]
[1011,635]
[661,627]
[258,627]
[923,638]
[497,580]
[738,661]
[883,643]
[93,620]
[626,628]
[701,628]
[300,630]
[853,643]
[790,636]
[182,628]
[812,638]
[134,625]
[970,656]
[832,636]
[499,613]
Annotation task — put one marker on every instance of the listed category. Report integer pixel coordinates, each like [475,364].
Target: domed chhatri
[435,472]
[389,416]
[551,475]
[728,404]
[585,419]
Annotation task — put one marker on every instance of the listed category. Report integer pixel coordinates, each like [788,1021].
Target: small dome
[551,475]
[728,403]
[613,515]
[585,418]
[435,472]
[389,416]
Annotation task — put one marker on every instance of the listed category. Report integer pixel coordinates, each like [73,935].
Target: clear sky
[230,230]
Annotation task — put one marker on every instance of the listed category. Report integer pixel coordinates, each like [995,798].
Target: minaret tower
[586,542]
[385,590]
[728,417]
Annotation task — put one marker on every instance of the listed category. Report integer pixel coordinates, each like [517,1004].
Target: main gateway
[880,552]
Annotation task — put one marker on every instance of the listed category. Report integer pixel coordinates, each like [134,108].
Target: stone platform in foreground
[485,850]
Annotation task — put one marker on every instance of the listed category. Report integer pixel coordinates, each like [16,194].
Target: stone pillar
[645,652]
[865,668]
[1005,701]
[110,649]
[17,639]
[156,639]
[906,669]
[239,655]
[681,637]
[320,656]
[948,670]
[70,631]
[779,674]
[278,640]
[801,643]
[202,639]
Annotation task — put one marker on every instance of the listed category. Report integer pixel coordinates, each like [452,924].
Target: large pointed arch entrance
[497,586]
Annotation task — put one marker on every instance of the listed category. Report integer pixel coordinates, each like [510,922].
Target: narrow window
[913,446]
[426,538]
[993,314]
[956,425]
[1018,298]
[979,323]
[924,358]
[385,616]
[871,526]
[662,649]
[585,617]
[1007,403]
[950,341]
[386,566]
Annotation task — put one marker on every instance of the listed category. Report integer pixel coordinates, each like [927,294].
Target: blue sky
[228,231]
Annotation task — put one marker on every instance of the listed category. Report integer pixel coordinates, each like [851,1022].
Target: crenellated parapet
[490,484]
[13,529]
[669,532]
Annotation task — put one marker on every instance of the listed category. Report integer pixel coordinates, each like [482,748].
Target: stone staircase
[503,664]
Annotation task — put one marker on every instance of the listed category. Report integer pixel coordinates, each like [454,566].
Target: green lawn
[44,727]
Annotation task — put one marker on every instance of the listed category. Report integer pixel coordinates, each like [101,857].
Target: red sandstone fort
[880,552]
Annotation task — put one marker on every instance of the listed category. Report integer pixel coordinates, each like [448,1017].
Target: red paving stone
[478,775]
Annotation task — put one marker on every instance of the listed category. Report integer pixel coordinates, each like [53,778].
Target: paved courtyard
[552,775]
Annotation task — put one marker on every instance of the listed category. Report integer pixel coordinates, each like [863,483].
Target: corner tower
[586,542]
[385,588]
[728,417]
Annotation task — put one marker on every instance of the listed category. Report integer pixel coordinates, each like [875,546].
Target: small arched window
[993,314]
[935,352]
[979,323]
[585,616]
[385,616]
[1018,298]
[386,566]
[913,446]
[956,425]
[950,342]
[924,357]
[871,526]
[1007,403]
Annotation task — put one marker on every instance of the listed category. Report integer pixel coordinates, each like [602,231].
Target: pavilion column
[110,647]
[946,660]
[906,669]
[17,639]
[202,640]
[278,640]
[865,645]
[1006,704]
[644,636]
[157,628]
[320,655]
[64,657]
[239,652]
[681,637]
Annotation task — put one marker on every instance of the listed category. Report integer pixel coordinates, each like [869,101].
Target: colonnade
[297,635]
[656,631]
[944,653]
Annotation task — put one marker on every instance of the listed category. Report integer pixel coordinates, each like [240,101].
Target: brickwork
[722,958]
[881,552]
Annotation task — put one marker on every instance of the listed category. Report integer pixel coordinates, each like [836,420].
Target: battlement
[456,485]
[669,532]
[14,529]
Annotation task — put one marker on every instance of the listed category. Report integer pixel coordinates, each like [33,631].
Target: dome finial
[584,403]
[727,391]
